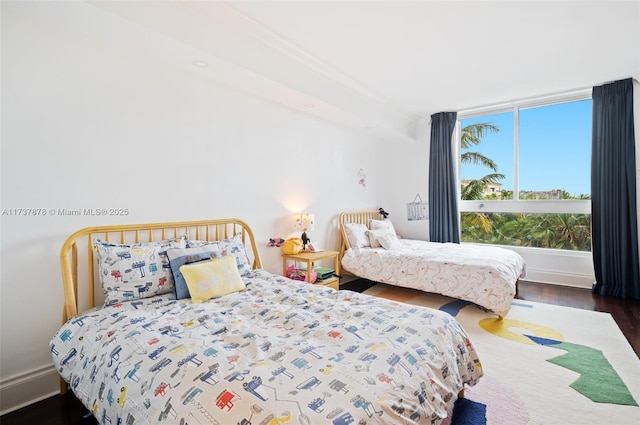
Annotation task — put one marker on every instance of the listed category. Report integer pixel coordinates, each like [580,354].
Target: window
[525,174]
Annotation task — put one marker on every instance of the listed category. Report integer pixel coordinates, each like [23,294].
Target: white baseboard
[27,388]
[557,266]
[557,278]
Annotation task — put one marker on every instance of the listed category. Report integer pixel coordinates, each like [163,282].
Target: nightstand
[311,258]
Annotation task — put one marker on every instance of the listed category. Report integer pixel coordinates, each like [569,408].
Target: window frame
[577,206]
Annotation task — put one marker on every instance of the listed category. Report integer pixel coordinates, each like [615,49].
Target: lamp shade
[304,221]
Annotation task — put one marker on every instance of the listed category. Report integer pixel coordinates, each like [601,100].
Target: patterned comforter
[484,275]
[280,352]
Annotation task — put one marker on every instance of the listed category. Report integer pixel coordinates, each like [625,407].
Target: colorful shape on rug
[454,307]
[488,403]
[502,328]
[598,379]
[596,373]
[469,412]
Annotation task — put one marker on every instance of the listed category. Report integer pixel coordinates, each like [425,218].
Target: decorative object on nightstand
[276,242]
[305,222]
[292,246]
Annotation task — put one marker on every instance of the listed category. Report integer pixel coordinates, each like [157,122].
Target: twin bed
[244,346]
[484,275]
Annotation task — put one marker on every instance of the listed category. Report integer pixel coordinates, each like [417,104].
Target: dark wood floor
[67,410]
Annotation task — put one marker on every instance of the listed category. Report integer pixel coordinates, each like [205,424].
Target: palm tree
[475,188]
[572,232]
[506,194]
[472,135]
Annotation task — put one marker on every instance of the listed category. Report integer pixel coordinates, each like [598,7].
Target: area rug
[543,364]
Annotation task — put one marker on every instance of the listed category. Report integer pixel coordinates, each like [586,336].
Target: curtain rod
[581,93]
[633,79]
[532,101]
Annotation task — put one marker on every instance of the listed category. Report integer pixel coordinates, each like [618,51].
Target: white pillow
[389,241]
[232,245]
[357,235]
[131,271]
[381,224]
[374,236]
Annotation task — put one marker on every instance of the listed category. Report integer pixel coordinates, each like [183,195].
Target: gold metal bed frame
[77,256]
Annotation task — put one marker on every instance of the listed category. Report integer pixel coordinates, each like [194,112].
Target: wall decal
[417,209]
[362,178]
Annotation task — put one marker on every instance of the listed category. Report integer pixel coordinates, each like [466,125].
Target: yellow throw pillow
[212,279]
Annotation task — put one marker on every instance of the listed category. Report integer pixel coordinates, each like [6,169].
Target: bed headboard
[81,283]
[362,217]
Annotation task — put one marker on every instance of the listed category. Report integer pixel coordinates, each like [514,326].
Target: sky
[554,148]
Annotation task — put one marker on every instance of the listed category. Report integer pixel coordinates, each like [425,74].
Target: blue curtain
[443,196]
[614,232]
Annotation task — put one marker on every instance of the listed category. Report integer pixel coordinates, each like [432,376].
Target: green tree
[472,135]
[506,194]
[475,188]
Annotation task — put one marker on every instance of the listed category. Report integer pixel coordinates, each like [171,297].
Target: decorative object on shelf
[324,273]
[417,210]
[305,222]
[298,274]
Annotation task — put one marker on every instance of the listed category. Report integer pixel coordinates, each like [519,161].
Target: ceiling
[384,66]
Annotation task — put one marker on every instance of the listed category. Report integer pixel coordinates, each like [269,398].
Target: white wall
[90,120]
